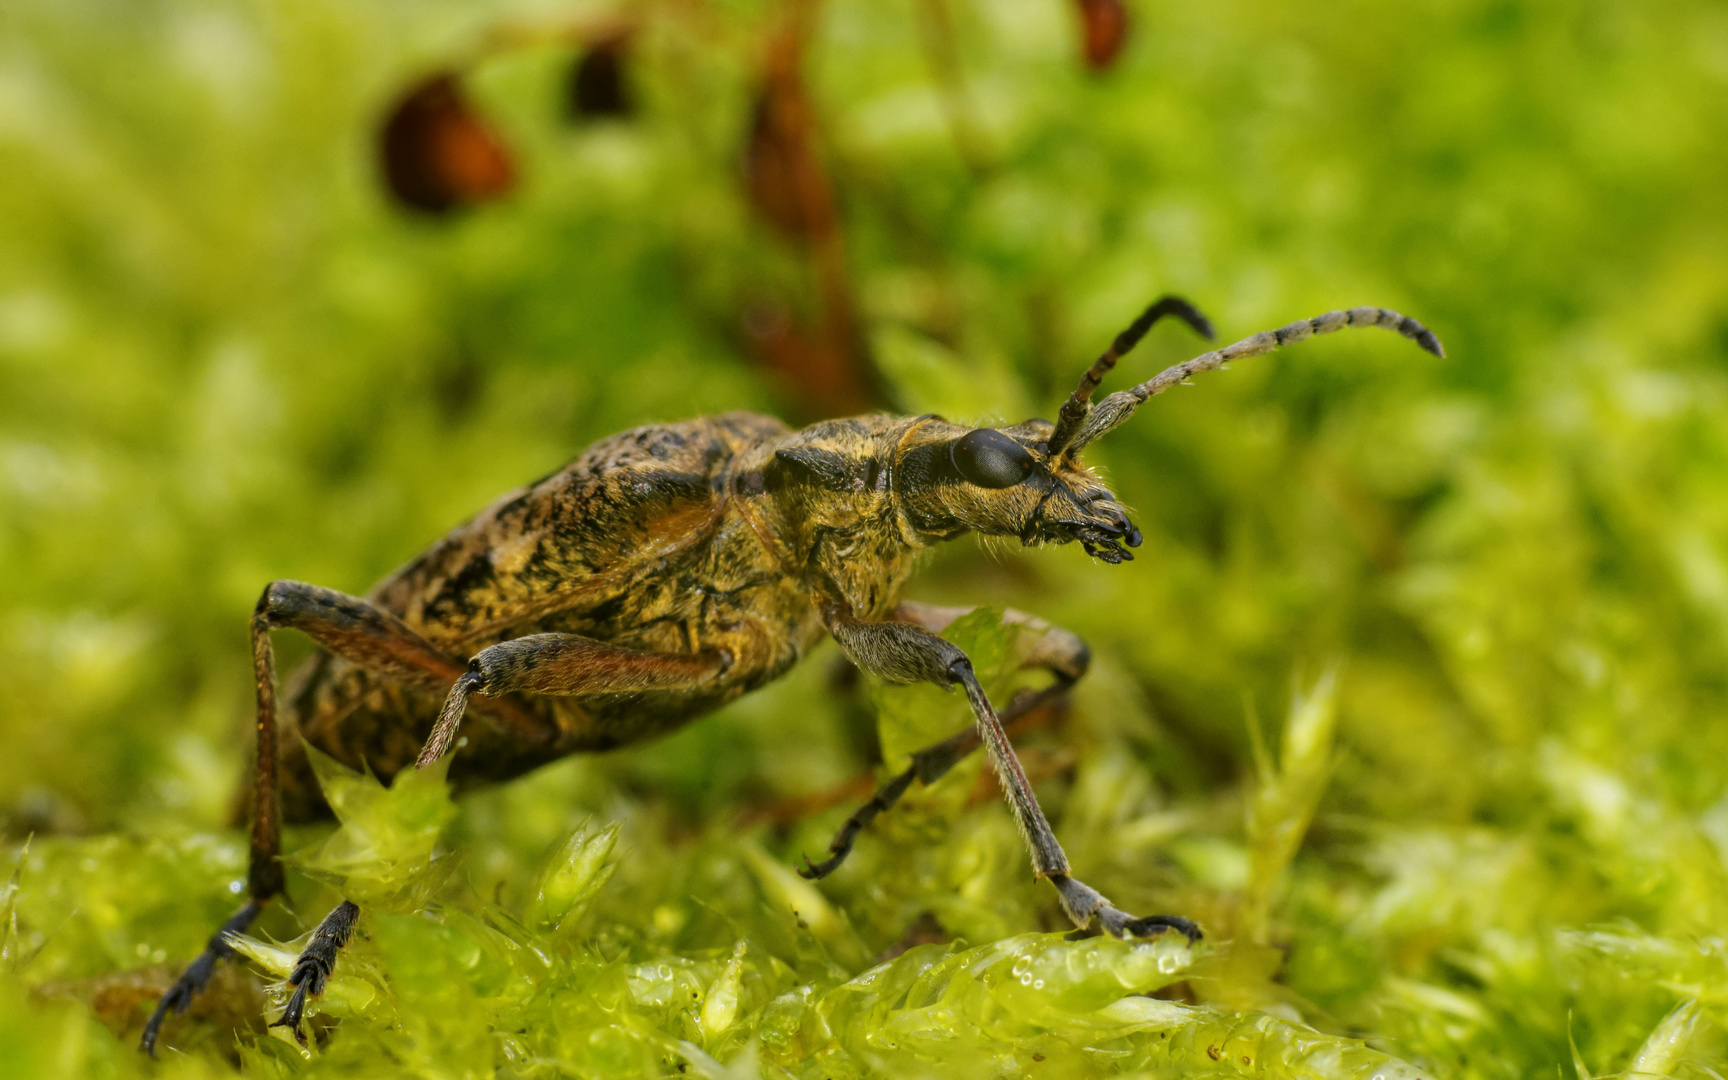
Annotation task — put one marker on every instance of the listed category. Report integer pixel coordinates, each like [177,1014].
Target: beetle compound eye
[991,459]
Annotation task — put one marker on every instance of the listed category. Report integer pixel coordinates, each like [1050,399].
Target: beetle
[672,568]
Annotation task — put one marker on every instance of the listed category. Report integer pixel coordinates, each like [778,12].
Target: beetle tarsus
[312,970]
[886,796]
[1086,907]
[197,974]
[1148,925]
[932,763]
[292,1014]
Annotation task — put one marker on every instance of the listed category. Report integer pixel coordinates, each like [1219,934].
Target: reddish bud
[438,154]
[1104,24]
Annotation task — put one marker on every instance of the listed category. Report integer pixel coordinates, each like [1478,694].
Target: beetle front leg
[1062,653]
[928,766]
[1058,651]
[904,653]
[197,974]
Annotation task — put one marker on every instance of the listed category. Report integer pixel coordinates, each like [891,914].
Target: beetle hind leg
[349,627]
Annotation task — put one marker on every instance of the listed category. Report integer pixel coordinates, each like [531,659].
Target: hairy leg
[1057,651]
[903,652]
[565,664]
[1060,652]
[313,967]
[355,630]
[928,766]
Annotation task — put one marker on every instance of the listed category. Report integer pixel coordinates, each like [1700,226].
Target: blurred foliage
[226,357]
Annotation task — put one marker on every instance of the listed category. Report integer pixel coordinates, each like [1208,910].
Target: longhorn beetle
[670,569]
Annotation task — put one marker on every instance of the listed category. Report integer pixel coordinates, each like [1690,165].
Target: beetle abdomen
[631,543]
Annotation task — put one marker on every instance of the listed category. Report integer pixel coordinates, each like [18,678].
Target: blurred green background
[226,356]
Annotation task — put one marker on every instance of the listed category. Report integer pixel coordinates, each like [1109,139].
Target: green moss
[1491,844]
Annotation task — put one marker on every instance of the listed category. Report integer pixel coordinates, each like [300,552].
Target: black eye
[991,459]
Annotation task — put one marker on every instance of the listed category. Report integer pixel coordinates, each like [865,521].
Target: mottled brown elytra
[672,568]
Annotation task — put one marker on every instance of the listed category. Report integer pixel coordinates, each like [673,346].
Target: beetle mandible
[667,571]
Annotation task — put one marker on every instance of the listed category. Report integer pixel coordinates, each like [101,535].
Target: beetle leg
[315,963]
[373,638]
[1058,651]
[928,766]
[264,875]
[197,974]
[357,631]
[565,664]
[902,652]
[537,663]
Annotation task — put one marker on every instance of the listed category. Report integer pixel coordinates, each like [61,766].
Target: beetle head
[1005,482]
[1027,480]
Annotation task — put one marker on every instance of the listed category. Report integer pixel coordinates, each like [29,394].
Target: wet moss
[1479,606]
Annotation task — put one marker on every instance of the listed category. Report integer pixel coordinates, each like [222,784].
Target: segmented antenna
[1075,408]
[1119,406]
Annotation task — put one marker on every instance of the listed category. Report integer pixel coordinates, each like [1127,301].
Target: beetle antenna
[1078,404]
[1119,406]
